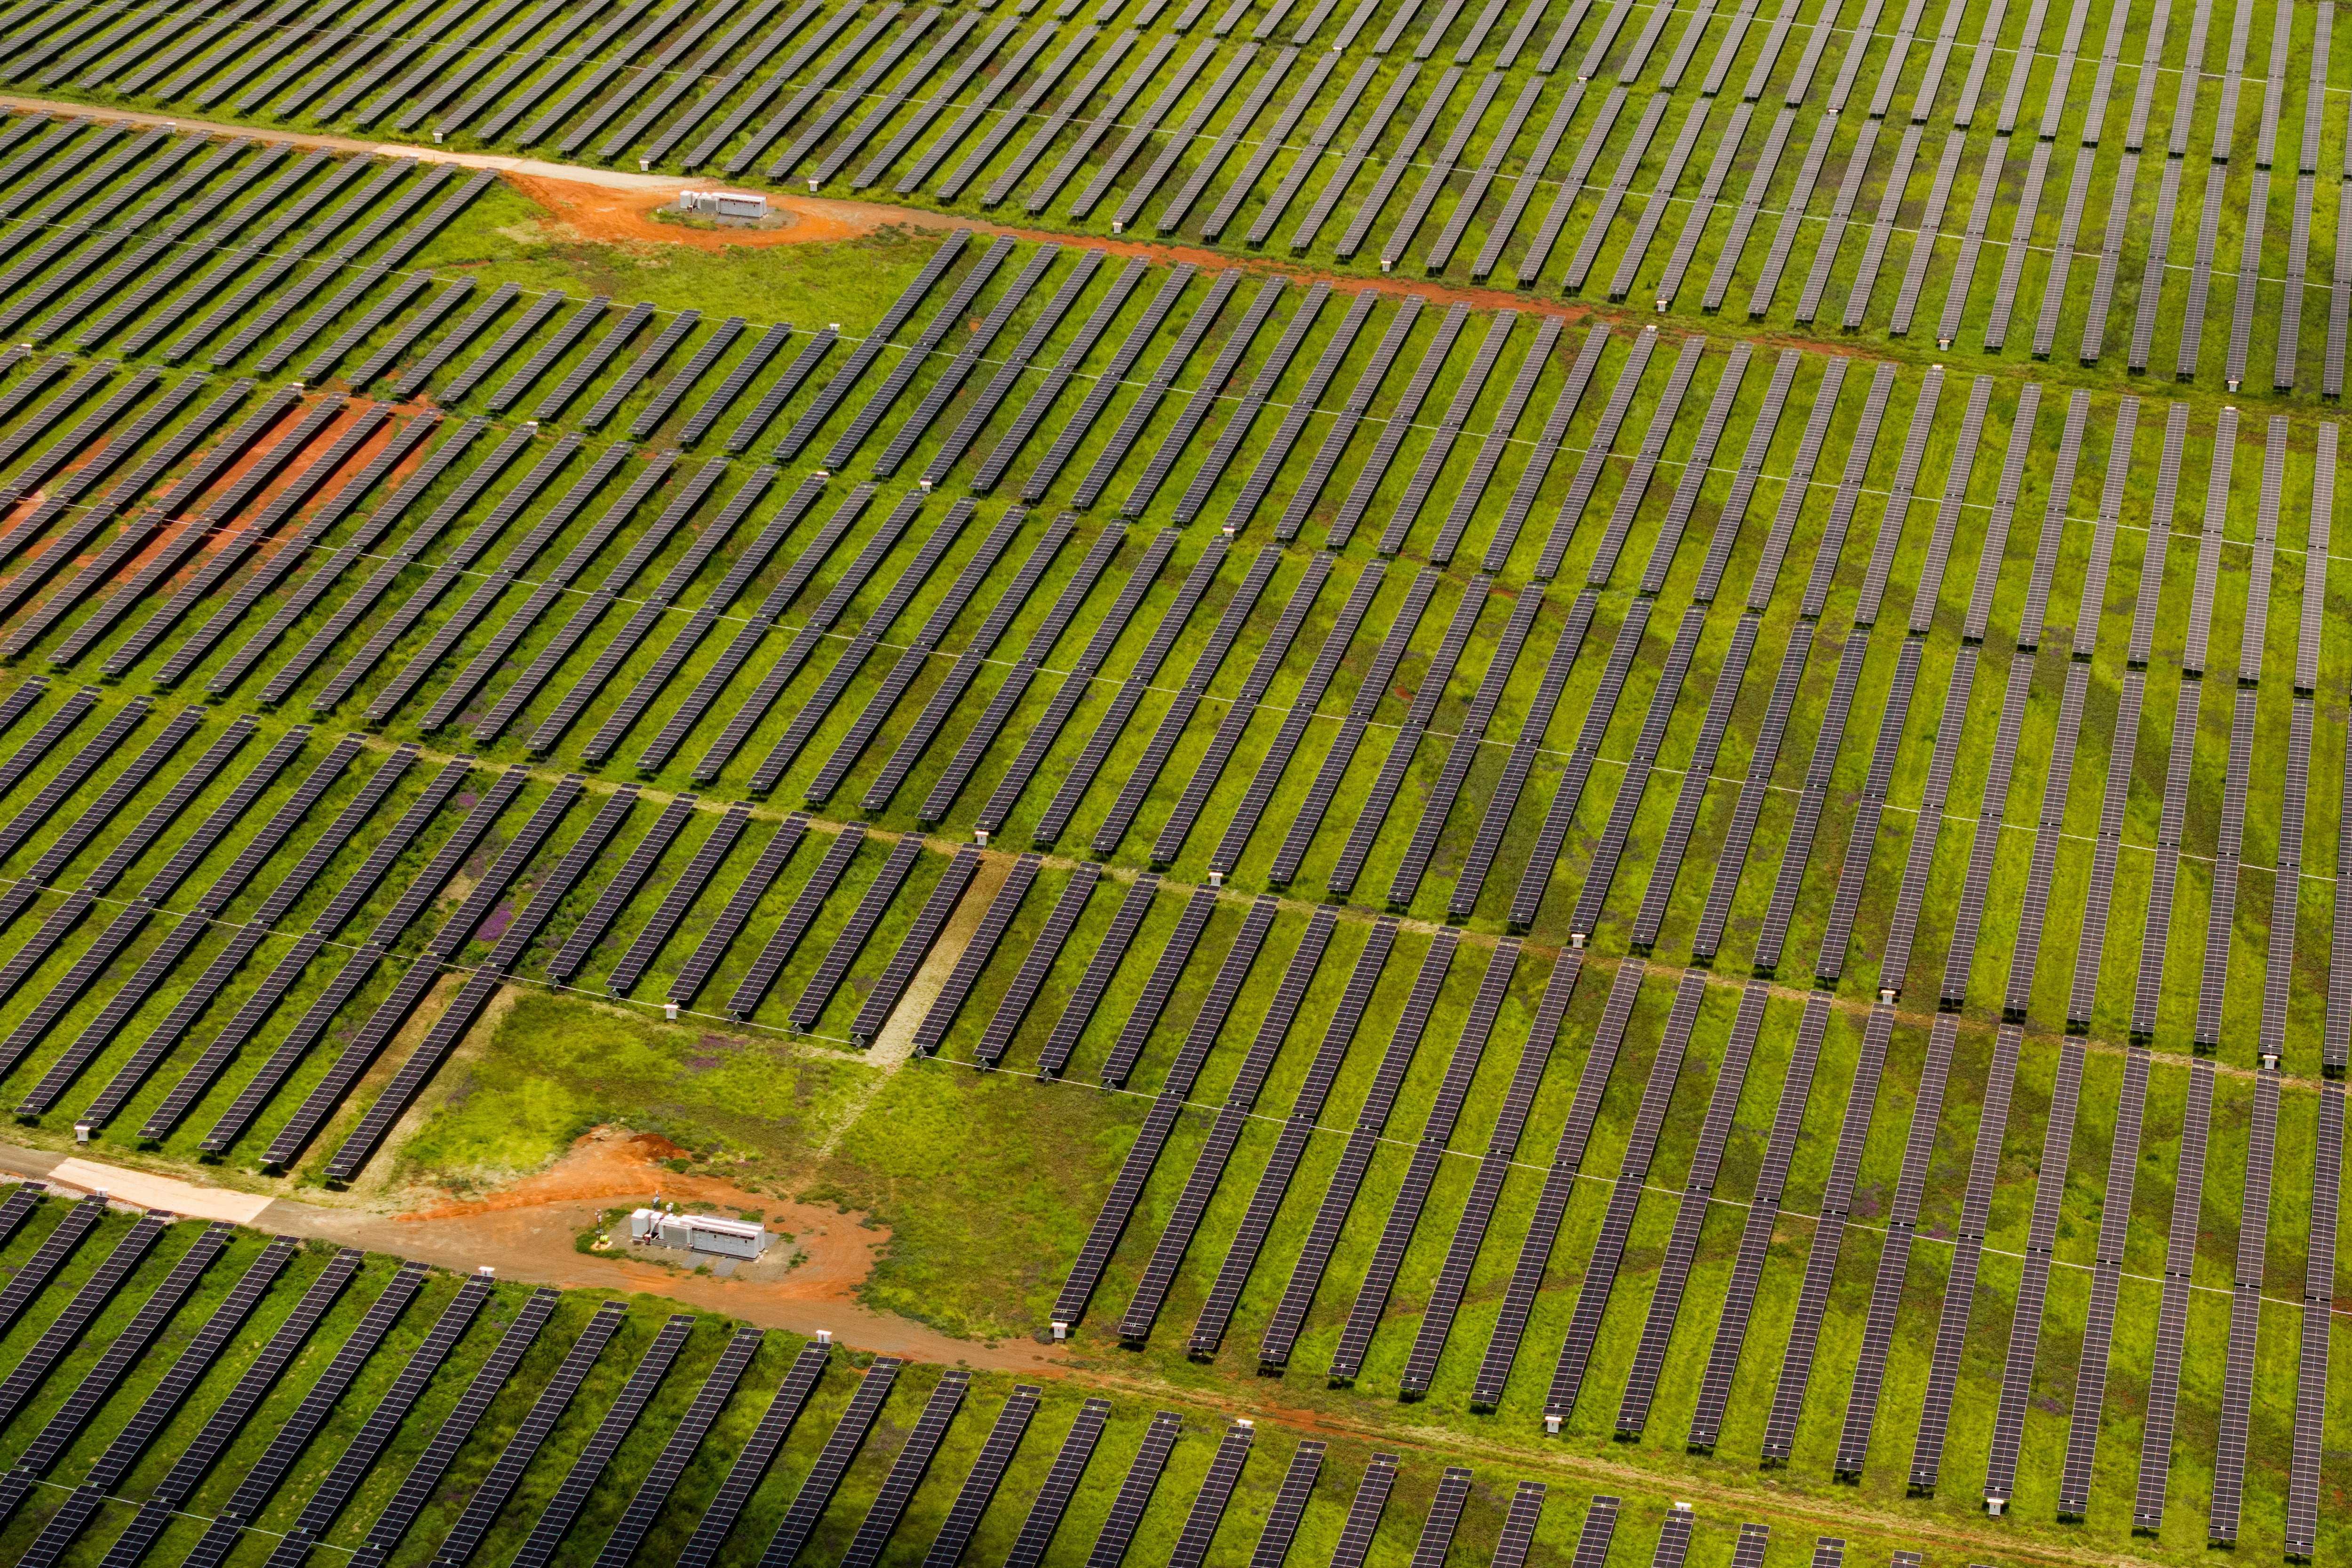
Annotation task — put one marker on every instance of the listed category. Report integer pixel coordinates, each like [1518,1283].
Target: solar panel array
[809,625]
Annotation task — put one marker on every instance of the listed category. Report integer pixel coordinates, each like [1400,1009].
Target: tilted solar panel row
[498,1485]
[1976,1208]
[980,1483]
[744,372]
[1119,1204]
[233,545]
[721,677]
[1500,436]
[2319,1276]
[1224,1134]
[1109,727]
[2098,1332]
[157,966]
[1681,1251]
[549,589]
[712,948]
[1135,1491]
[90,1299]
[2172,1318]
[1430,691]
[750,1463]
[1266,1201]
[1208,1509]
[889,104]
[563,1506]
[2025,1324]
[1771,1181]
[1398,423]
[863,644]
[1245,814]
[749,562]
[1441,441]
[1475,719]
[689,887]
[59,1530]
[2222,1517]
[1102,966]
[931,1033]
[907,1469]
[1444,1517]
[1061,1483]
[366,1043]
[915,947]
[127,925]
[451,1027]
[1445,1111]
[1243,417]
[418,1486]
[1113,376]
[294,1434]
[785,936]
[1045,952]
[834,969]
[967,667]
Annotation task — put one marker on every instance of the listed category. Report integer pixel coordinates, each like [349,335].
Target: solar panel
[816,1489]
[1532,175]
[1624,1200]
[1444,1517]
[2245,1314]
[1069,1468]
[1053,124]
[2025,1324]
[907,1469]
[1690,1216]
[1119,1204]
[89,1298]
[1011,368]
[157,966]
[1135,1491]
[980,1481]
[335,1492]
[953,312]
[1332,1216]
[1445,1109]
[726,1506]
[1044,951]
[2172,1318]
[2319,1278]
[1430,691]
[1943,1376]
[932,1032]
[784,938]
[1243,417]
[1476,717]
[1224,1134]
[1112,724]
[1107,385]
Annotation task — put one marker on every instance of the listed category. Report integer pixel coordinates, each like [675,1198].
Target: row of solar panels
[288,1439]
[845,61]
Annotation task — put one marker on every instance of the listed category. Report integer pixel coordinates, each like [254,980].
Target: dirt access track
[616,205]
[531,1231]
